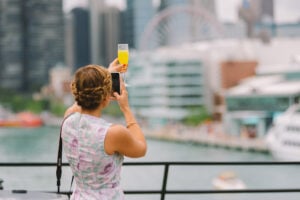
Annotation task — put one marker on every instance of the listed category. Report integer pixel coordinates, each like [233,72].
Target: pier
[209,137]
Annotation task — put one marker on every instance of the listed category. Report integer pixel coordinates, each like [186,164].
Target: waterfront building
[31,42]
[166,84]
[253,104]
[242,72]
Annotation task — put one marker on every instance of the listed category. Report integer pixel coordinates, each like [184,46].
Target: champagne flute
[123,57]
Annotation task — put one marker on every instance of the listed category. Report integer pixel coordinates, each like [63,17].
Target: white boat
[283,138]
[228,180]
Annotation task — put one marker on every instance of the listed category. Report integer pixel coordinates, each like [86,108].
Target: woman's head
[91,86]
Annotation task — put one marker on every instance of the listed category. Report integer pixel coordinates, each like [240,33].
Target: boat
[22,119]
[283,138]
[228,180]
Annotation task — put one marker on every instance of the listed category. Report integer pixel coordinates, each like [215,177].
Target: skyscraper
[265,10]
[135,19]
[81,37]
[111,31]
[127,34]
[96,23]
[31,42]
[105,32]
[11,44]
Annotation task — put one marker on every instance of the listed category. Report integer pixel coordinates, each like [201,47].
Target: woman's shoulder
[117,131]
[70,120]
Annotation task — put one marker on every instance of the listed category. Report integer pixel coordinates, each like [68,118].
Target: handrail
[163,191]
[49,164]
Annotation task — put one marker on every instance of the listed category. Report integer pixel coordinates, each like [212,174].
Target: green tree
[57,108]
[18,102]
[196,116]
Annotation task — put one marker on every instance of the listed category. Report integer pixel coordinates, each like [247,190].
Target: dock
[214,139]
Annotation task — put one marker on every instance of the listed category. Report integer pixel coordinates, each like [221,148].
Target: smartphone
[115,76]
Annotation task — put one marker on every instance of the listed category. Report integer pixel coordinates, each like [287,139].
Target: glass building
[31,42]
[165,84]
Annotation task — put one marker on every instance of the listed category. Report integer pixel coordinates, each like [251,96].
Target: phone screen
[115,76]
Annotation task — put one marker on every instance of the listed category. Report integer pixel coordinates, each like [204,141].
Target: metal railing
[163,191]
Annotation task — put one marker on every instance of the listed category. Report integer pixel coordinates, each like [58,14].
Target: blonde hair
[91,86]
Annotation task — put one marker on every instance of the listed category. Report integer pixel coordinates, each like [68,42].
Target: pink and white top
[96,174]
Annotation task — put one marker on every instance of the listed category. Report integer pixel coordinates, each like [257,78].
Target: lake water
[40,145]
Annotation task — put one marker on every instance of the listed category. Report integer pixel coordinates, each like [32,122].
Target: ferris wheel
[177,25]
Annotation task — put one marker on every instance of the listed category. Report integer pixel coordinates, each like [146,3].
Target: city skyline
[285,11]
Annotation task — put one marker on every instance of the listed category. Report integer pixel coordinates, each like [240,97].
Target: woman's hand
[114,66]
[123,97]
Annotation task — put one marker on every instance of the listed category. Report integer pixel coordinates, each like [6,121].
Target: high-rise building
[105,32]
[11,44]
[111,34]
[127,34]
[97,8]
[256,12]
[31,42]
[135,19]
[81,37]
[265,10]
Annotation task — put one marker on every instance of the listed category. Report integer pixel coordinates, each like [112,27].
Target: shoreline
[206,134]
[207,138]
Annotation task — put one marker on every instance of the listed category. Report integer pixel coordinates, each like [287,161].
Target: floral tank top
[96,174]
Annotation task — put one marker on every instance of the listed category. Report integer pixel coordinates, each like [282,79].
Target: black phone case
[116,82]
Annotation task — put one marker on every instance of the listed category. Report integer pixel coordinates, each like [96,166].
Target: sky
[285,10]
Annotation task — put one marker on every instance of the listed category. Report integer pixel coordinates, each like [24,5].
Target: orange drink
[123,57]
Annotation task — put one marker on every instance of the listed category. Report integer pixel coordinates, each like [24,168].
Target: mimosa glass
[123,57]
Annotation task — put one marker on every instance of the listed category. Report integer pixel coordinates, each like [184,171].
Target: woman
[94,147]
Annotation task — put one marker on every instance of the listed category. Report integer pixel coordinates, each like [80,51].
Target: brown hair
[91,86]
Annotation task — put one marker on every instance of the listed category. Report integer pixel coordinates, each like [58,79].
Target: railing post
[1,186]
[164,184]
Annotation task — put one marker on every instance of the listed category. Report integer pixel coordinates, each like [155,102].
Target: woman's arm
[130,140]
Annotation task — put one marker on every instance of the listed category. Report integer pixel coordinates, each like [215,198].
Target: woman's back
[96,173]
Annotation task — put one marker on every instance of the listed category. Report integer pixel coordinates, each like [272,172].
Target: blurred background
[216,73]
[196,45]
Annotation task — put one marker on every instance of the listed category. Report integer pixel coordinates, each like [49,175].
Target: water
[40,145]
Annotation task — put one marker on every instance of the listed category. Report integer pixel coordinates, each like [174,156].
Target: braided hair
[91,86]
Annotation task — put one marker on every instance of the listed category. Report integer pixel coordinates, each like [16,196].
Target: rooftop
[265,85]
